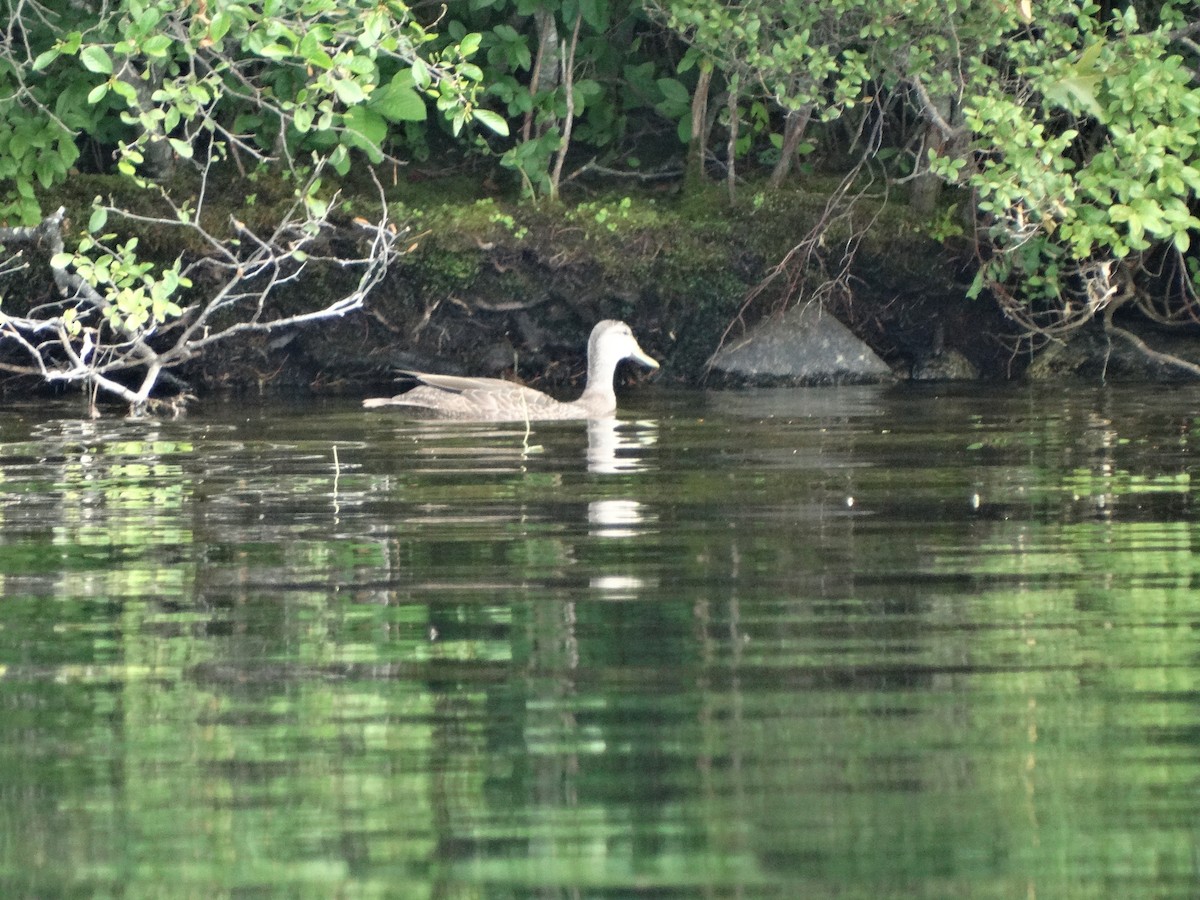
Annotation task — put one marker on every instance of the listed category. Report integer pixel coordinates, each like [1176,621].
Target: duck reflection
[616,518]
[615,446]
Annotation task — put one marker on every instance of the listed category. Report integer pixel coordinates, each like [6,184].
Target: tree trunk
[567,54]
[941,136]
[731,147]
[158,158]
[545,67]
[694,173]
[793,132]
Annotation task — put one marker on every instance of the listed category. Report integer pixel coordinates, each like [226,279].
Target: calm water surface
[818,643]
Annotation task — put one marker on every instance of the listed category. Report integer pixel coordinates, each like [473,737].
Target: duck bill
[644,358]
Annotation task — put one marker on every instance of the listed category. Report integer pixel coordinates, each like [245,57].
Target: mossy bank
[489,285]
[485,284]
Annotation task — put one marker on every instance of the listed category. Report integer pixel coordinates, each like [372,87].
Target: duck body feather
[490,399]
[497,400]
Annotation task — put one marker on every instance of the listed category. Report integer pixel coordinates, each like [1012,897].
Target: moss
[440,269]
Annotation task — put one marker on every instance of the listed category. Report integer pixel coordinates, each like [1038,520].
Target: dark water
[827,643]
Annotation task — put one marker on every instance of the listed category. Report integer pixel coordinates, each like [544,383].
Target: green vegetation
[296,89]
[1062,137]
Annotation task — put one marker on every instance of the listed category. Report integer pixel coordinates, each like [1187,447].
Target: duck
[497,400]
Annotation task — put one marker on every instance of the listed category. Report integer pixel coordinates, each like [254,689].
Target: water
[869,642]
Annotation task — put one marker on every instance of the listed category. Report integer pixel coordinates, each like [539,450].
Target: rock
[1093,354]
[806,345]
[949,365]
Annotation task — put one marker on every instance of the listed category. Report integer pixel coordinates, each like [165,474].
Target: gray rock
[949,365]
[806,345]
[1095,355]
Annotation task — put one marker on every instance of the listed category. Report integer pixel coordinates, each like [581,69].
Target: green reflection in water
[861,652]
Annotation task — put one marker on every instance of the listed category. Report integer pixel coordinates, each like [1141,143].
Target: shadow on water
[859,642]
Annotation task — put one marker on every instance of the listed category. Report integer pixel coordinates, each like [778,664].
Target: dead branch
[811,256]
[81,338]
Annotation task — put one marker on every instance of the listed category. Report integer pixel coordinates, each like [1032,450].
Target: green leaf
[492,120]
[219,26]
[98,219]
[469,44]
[125,91]
[366,130]
[420,73]
[157,46]
[976,286]
[674,91]
[96,59]
[45,58]
[349,92]
[398,102]
[317,208]
[1081,89]
[340,160]
[302,119]
[98,93]
[182,148]
[274,51]
[313,53]
[595,13]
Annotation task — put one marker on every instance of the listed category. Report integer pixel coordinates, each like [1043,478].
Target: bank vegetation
[171,173]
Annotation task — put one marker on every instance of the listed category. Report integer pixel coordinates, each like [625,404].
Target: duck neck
[598,394]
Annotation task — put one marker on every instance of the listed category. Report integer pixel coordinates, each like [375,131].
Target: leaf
[674,91]
[469,44]
[684,128]
[45,58]
[274,51]
[96,59]
[1083,89]
[1091,55]
[492,120]
[157,45]
[976,285]
[182,148]
[96,94]
[219,26]
[595,13]
[340,160]
[126,91]
[317,208]
[420,73]
[366,130]
[302,119]
[349,92]
[313,53]
[587,90]
[398,102]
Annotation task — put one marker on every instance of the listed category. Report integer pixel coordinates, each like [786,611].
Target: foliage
[1089,162]
[587,72]
[1077,130]
[295,86]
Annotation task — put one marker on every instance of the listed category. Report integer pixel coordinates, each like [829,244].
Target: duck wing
[487,399]
[461,384]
